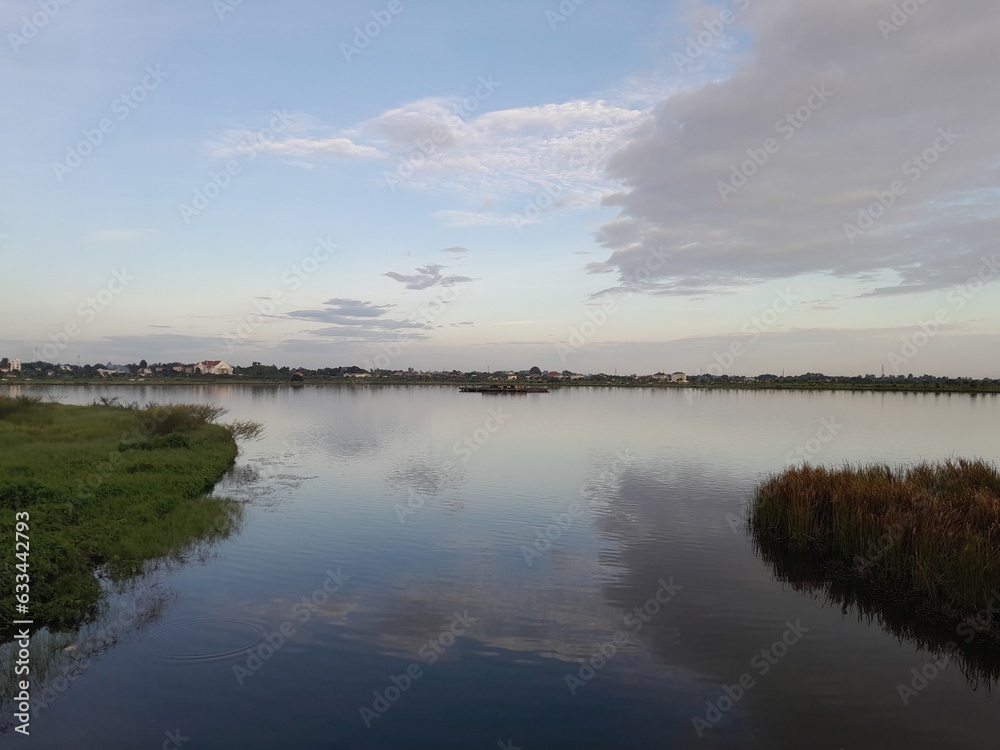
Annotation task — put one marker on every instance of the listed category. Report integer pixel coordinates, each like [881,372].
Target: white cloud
[319,147]
[496,156]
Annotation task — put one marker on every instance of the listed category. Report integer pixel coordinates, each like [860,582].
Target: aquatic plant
[931,529]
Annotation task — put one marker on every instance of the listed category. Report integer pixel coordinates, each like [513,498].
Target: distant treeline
[261,373]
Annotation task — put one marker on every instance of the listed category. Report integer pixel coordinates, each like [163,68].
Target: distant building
[357,374]
[678,377]
[213,367]
[661,376]
[15,365]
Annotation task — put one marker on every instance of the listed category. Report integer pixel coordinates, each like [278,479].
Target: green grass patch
[932,529]
[108,488]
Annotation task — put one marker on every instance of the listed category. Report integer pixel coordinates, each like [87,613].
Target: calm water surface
[420,568]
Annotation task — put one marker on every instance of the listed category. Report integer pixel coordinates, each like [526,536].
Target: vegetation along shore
[931,529]
[107,488]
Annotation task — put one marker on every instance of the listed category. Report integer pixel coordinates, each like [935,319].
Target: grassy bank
[929,529]
[107,488]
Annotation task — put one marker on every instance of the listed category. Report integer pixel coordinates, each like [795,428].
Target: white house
[214,367]
[678,377]
[15,365]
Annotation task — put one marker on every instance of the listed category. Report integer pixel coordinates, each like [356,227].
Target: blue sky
[740,187]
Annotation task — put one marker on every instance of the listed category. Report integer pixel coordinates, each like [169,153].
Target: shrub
[24,493]
[17,404]
[157,419]
[244,430]
[173,440]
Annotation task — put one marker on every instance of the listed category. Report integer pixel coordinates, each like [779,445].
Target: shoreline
[552,385]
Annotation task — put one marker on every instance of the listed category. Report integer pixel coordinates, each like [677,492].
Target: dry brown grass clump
[934,528]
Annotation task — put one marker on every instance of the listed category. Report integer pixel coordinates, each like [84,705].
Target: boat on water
[503,388]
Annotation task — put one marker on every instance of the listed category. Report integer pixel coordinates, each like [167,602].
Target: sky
[586,185]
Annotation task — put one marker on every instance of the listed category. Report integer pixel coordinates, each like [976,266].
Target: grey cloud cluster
[358,320]
[426,277]
[757,178]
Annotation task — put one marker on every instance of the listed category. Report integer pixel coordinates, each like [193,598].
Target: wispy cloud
[495,156]
[426,277]
[359,320]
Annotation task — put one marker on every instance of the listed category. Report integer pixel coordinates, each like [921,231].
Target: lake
[420,568]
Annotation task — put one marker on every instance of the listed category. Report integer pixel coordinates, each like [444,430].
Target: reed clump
[930,528]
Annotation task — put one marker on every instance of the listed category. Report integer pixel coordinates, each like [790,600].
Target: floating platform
[503,388]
